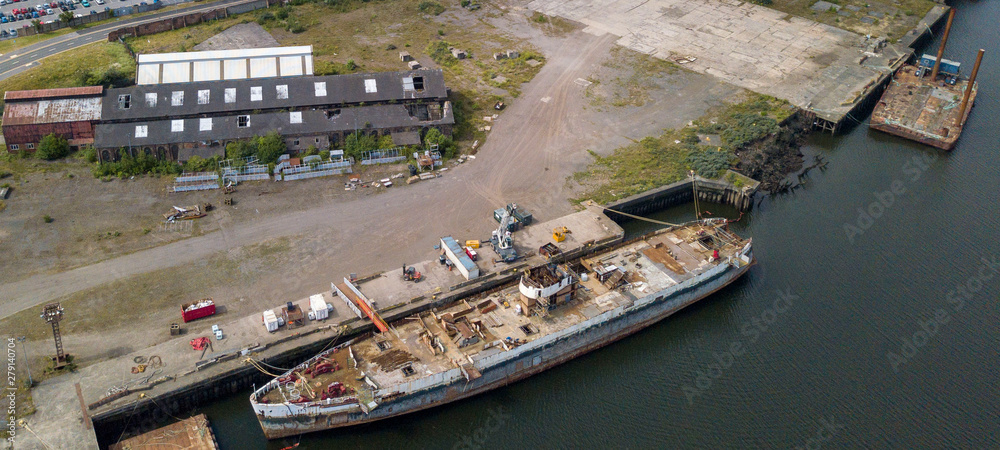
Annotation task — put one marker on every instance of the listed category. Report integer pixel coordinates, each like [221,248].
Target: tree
[270,147]
[52,147]
[66,17]
[37,24]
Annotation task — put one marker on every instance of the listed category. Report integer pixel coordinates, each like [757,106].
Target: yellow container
[472,244]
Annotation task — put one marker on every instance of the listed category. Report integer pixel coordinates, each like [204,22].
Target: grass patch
[898,16]
[73,68]
[657,161]
[552,25]
[24,406]
[636,75]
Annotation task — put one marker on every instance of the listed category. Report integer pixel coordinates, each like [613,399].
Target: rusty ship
[552,314]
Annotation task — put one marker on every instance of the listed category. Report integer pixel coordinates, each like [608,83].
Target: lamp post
[27,362]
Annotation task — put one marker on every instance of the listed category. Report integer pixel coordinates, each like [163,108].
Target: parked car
[3,2]
[13,32]
[49,11]
[100,2]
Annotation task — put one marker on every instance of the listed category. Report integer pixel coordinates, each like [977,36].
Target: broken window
[370,87]
[203,96]
[124,101]
[407,370]
[418,83]
[383,345]
[256,93]
[320,87]
[526,329]
[243,121]
[30,146]
[295,142]
[176,126]
[141,131]
[295,117]
[205,124]
[177,98]
[282,90]
[230,95]
[151,100]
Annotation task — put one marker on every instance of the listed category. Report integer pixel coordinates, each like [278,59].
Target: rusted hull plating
[510,372]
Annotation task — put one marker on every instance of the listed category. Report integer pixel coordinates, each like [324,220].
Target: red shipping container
[201,309]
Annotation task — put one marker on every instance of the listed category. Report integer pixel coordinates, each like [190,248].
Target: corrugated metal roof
[232,96]
[52,93]
[52,111]
[254,63]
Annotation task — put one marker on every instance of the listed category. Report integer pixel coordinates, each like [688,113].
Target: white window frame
[177,98]
[282,91]
[204,96]
[29,146]
[205,124]
[230,95]
[14,147]
[151,99]
[247,121]
[141,131]
[176,125]
[256,93]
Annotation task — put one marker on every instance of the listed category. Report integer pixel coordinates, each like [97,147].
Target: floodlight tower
[52,314]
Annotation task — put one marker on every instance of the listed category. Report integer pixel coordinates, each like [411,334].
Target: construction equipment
[502,242]
[185,213]
[410,274]
[559,233]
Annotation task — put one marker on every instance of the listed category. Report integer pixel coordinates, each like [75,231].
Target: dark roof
[224,128]
[301,93]
[39,94]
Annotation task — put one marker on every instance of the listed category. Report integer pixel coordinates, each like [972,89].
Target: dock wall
[712,191]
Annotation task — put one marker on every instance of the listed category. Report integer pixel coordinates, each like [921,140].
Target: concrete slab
[748,45]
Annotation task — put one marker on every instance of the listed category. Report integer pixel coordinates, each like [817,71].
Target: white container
[218,335]
[319,308]
[271,321]
[215,328]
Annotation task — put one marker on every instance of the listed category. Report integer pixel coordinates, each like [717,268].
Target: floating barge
[193,433]
[928,102]
[556,312]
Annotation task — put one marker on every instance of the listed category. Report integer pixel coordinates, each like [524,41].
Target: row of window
[257,93]
[205,124]
[15,147]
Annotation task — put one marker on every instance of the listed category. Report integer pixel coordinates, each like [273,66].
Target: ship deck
[434,342]
[922,109]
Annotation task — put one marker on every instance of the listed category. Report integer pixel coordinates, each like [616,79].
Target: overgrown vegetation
[105,63]
[891,18]
[52,147]
[656,161]
[429,7]
[140,164]
[266,148]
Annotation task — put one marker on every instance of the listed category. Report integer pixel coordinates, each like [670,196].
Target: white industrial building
[216,65]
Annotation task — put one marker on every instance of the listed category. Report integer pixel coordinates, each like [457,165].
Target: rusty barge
[556,312]
[929,101]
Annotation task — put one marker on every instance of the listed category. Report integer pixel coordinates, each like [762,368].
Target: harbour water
[871,319]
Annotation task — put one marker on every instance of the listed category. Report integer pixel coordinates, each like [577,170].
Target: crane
[503,243]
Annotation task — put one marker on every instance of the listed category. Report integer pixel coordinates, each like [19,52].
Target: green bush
[709,163]
[357,143]
[746,128]
[52,147]
[140,164]
[47,218]
[199,164]
[89,154]
[429,7]
[267,148]
[445,144]
[439,52]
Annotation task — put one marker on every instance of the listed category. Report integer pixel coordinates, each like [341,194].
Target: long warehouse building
[176,121]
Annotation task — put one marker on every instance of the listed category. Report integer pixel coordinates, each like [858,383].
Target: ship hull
[519,368]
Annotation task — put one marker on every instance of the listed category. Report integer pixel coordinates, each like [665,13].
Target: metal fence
[383,156]
[194,187]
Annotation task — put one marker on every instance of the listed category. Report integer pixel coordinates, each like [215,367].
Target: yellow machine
[472,244]
[559,233]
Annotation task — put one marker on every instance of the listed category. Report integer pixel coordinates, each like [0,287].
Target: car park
[85,4]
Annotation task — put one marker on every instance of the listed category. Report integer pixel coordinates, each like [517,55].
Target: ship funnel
[944,40]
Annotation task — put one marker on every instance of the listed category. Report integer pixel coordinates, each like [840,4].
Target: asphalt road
[24,58]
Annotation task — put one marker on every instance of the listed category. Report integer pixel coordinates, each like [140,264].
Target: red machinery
[197,310]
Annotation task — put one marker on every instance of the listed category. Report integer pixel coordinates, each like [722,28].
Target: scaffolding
[383,156]
[313,166]
[242,169]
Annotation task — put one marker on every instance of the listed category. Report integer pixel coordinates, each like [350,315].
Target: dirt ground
[290,239]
